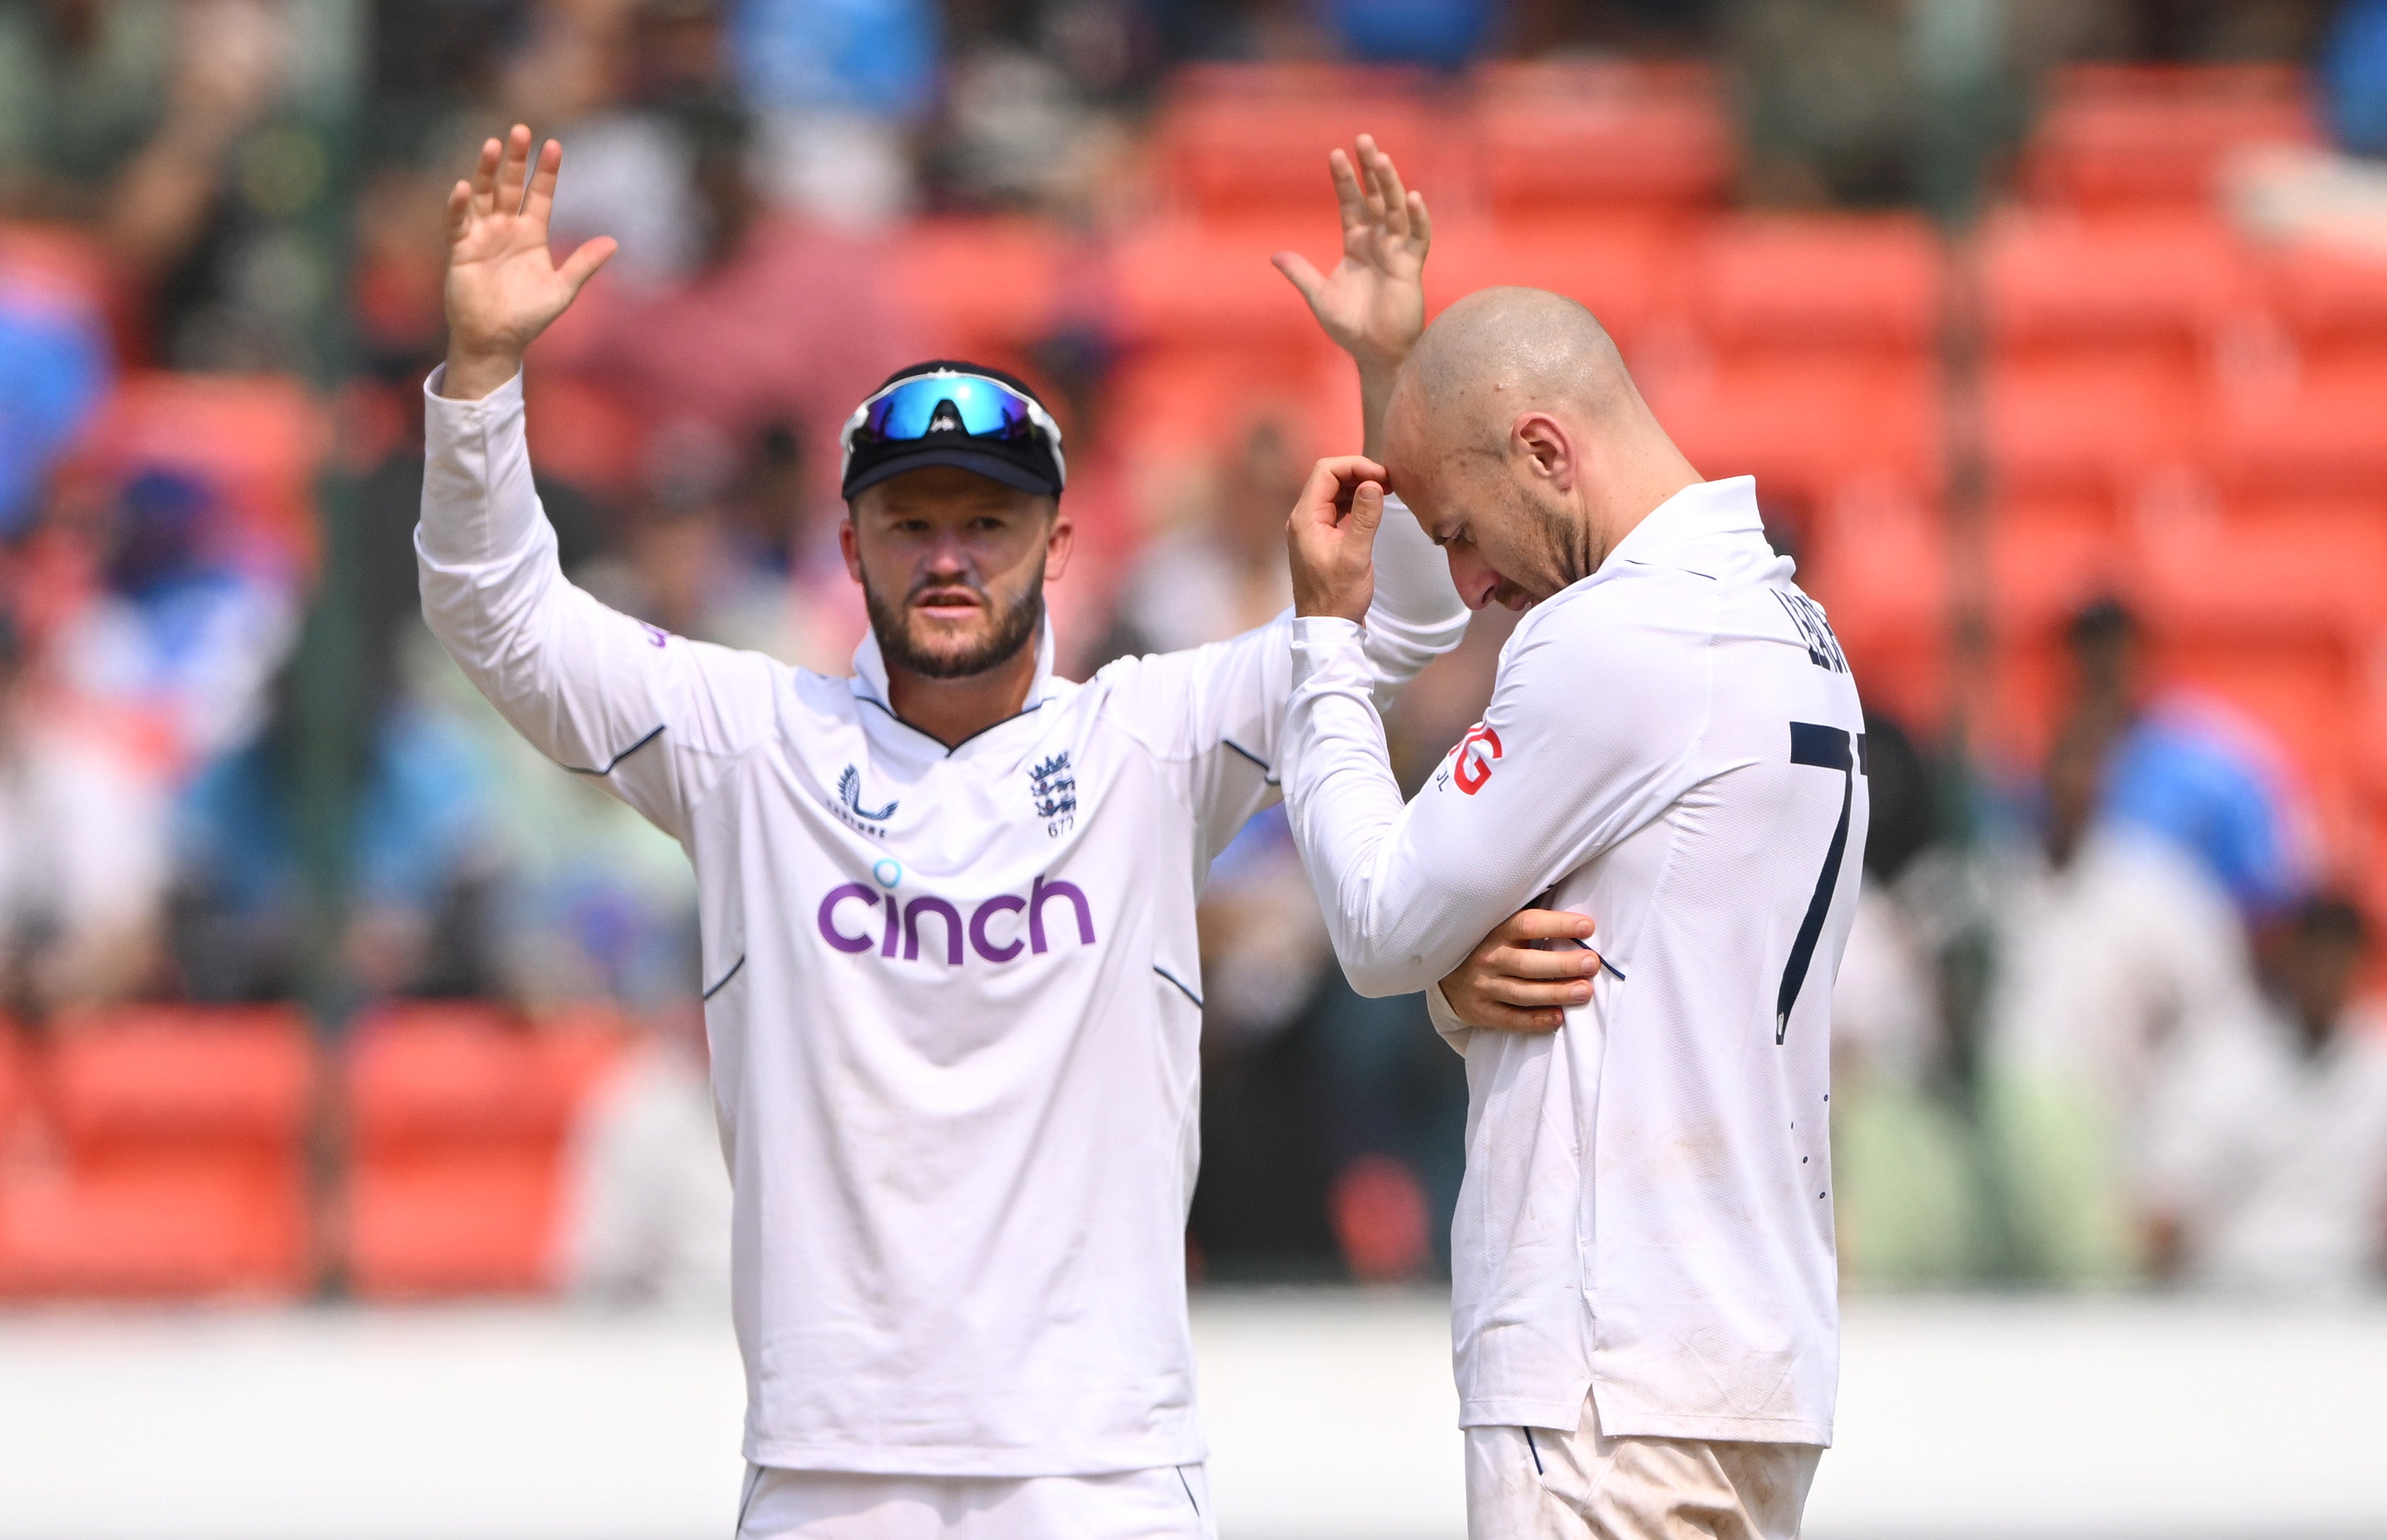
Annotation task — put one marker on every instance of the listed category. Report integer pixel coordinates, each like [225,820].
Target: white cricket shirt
[954,997]
[1674,747]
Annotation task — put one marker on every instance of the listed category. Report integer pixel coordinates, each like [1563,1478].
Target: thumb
[1296,268]
[582,265]
[1367,508]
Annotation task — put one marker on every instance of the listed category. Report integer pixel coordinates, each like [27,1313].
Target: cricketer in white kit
[952,982]
[1645,1321]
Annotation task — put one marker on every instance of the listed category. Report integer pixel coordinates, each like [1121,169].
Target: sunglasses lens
[946,403]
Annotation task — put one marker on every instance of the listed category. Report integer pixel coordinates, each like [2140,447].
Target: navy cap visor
[960,456]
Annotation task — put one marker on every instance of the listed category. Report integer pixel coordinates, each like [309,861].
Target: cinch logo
[899,923]
[1471,763]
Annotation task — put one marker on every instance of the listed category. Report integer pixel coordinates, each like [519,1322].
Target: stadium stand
[176,1163]
[458,1112]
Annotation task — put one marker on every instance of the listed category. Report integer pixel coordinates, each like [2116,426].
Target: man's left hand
[1332,538]
[1525,976]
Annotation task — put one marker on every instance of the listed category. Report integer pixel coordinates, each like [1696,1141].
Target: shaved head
[1516,434]
[1499,350]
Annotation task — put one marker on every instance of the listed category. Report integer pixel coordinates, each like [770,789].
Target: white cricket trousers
[1168,1502]
[1539,1483]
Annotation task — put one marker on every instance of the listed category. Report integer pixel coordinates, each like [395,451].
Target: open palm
[504,287]
[1373,303]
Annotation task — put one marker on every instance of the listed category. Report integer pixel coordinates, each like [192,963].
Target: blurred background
[2054,331]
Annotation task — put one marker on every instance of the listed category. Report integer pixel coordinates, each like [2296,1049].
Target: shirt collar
[1702,509]
[870,669]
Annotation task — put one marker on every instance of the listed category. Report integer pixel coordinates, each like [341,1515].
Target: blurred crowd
[2100,1020]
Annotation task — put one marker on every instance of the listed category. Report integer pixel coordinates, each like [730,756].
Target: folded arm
[1580,746]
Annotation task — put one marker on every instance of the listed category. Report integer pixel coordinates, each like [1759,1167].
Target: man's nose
[947,556]
[1472,577]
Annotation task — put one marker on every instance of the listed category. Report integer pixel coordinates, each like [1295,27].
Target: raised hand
[1373,303]
[503,288]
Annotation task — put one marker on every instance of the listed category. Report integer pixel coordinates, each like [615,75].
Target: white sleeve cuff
[506,396]
[1325,647]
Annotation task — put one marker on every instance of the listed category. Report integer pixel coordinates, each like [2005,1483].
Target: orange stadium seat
[458,1116]
[183,1131]
[1571,137]
[2331,300]
[980,288]
[1621,267]
[258,439]
[2090,423]
[1231,140]
[2116,135]
[1842,283]
[2322,428]
[1808,426]
[2159,281]
[2047,558]
[1214,285]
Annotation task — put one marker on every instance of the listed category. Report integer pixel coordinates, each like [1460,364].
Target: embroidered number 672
[1826,749]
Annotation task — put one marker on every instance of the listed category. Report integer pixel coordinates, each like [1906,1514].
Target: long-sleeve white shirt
[1674,747]
[953,996]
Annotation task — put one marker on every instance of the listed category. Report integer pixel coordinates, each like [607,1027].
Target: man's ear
[1060,540]
[1543,440]
[850,544]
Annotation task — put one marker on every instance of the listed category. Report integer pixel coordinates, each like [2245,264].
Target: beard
[1010,627]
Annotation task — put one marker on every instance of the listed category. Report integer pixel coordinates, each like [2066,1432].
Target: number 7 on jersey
[1826,749]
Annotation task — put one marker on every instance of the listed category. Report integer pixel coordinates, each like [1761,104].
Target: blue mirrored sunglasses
[931,403]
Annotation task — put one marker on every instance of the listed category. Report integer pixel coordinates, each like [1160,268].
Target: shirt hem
[1717,1429]
[1567,1415]
[931,1459]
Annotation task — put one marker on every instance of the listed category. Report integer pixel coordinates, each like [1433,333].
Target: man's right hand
[503,288]
[1527,973]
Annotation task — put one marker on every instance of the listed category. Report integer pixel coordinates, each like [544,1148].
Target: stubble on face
[911,642]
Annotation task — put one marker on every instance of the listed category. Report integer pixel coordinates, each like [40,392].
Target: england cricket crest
[1053,787]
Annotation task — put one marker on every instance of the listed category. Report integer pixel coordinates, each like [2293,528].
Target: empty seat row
[1230,140]
[2141,135]
[2055,277]
[165,1150]
[2111,422]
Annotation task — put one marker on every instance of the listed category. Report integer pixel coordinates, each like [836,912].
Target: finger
[1307,279]
[1532,994]
[1350,470]
[1519,962]
[513,172]
[1372,193]
[1349,198]
[1495,1016]
[1546,924]
[582,265]
[485,177]
[1420,224]
[460,210]
[542,182]
[1396,197]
